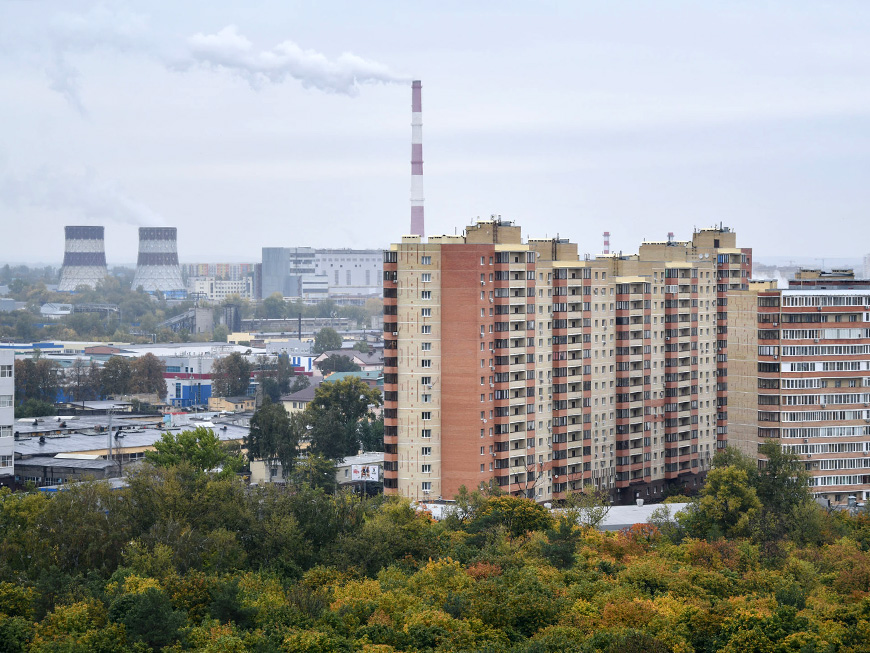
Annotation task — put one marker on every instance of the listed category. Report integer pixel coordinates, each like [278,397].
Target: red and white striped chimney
[607,242]
[417,225]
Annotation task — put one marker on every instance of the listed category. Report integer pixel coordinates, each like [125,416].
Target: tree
[516,514]
[274,436]
[371,434]
[316,471]
[337,363]
[148,617]
[77,381]
[115,376]
[327,339]
[284,372]
[36,379]
[362,346]
[335,413]
[587,507]
[352,397]
[231,376]
[220,333]
[728,501]
[147,372]
[34,408]
[199,448]
[273,306]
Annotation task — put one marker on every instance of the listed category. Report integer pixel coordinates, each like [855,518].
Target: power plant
[157,268]
[417,225]
[84,258]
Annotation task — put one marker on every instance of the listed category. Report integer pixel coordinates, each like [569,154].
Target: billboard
[365,473]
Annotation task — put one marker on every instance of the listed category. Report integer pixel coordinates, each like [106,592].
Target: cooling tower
[84,258]
[157,267]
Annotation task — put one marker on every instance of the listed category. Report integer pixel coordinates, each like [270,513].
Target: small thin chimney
[417,224]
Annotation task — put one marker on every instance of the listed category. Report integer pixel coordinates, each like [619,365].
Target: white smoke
[82,194]
[100,29]
[228,50]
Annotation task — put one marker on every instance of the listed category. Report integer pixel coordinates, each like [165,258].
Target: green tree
[231,376]
[337,363]
[199,448]
[782,486]
[34,408]
[220,333]
[371,434]
[316,471]
[728,501]
[115,376]
[327,339]
[148,617]
[147,375]
[273,306]
[335,414]
[362,346]
[284,372]
[517,515]
[274,436]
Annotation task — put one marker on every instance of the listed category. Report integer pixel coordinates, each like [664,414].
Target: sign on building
[365,473]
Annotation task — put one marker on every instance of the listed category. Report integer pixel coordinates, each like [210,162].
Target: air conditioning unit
[815,339]
[426,491]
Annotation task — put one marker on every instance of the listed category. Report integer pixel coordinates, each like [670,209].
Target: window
[5,401]
[5,431]
[426,328]
[426,415]
[6,371]
[426,398]
[426,363]
[426,433]
[425,260]
[426,277]
[426,380]
[426,469]
[426,486]
[426,346]
[425,451]
[426,294]
[425,312]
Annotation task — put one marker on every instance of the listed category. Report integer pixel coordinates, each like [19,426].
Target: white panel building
[7,415]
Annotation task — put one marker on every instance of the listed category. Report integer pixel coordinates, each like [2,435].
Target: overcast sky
[251,124]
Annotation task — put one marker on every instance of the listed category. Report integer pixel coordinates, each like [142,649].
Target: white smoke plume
[105,29]
[81,194]
[231,51]
[100,29]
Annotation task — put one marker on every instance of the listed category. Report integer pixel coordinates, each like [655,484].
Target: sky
[267,124]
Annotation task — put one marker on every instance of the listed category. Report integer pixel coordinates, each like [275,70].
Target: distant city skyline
[271,124]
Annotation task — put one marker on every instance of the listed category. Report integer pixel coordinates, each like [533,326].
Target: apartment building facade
[521,364]
[814,380]
[7,416]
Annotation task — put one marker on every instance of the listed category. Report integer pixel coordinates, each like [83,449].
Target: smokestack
[670,238]
[84,258]
[157,267]
[417,225]
[607,242]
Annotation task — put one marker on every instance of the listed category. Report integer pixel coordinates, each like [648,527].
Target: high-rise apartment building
[519,363]
[813,376]
[7,416]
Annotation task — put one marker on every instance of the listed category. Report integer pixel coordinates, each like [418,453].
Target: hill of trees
[191,559]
